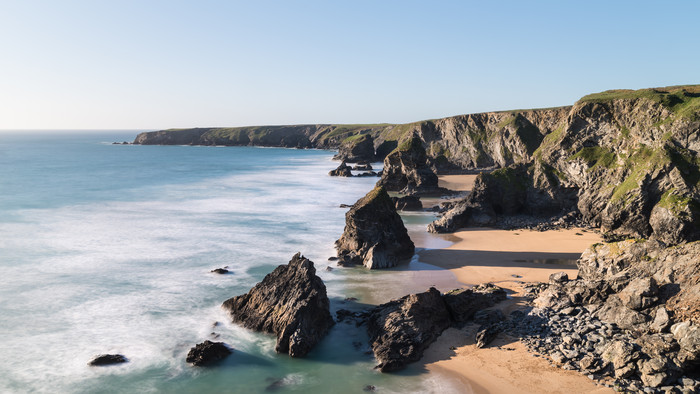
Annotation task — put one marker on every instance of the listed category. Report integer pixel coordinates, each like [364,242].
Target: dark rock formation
[290,302]
[408,203]
[107,359]
[464,303]
[342,170]
[402,329]
[363,167]
[357,148]
[207,353]
[374,233]
[407,170]
[220,271]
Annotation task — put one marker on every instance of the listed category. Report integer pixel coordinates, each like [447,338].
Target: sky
[151,64]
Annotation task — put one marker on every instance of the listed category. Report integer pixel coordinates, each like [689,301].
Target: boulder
[342,170]
[357,148]
[107,359]
[290,302]
[402,329]
[374,234]
[408,171]
[207,353]
[363,167]
[559,277]
[407,203]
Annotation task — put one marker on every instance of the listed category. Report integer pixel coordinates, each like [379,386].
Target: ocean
[108,249]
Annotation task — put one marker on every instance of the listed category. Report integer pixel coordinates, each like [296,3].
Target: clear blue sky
[159,64]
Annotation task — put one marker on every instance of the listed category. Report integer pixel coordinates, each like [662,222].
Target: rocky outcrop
[407,203]
[107,359]
[626,162]
[644,297]
[207,353]
[342,170]
[408,171]
[290,302]
[402,329]
[357,149]
[374,234]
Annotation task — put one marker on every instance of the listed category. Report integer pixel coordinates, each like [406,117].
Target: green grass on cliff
[596,156]
[684,101]
[679,205]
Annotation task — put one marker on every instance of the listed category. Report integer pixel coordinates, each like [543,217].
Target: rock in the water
[290,302]
[357,149]
[107,359]
[407,170]
[220,271]
[207,353]
[402,329]
[407,203]
[342,170]
[363,167]
[374,234]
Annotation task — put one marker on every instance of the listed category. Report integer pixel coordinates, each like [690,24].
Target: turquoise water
[107,249]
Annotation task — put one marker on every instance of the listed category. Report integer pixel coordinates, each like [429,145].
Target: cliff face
[627,161]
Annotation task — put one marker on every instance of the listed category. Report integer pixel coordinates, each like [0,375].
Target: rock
[290,302]
[407,170]
[220,271]
[342,170]
[407,203]
[639,294]
[368,173]
[357,148]
[402,329]
[488,317]
[463,304]
[363,167]
[107,359]
[661,320]
[559,277]
[369,387]
[486,334]
[374,233]
[207,353]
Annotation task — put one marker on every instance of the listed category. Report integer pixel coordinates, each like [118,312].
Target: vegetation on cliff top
[683,100]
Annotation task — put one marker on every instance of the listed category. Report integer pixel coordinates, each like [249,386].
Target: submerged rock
[290,302]
[107,359]
[402,329]
[374,234]
[207,353]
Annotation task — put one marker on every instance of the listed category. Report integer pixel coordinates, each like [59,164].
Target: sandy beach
[509,259]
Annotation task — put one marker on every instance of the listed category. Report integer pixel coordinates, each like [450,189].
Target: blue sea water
[108,249]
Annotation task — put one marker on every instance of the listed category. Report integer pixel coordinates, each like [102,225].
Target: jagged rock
[661,320]
[408,203]
[207,353]
[342,170]
[486,334]
[402,329]
[368,173]
[356,149]
[639,294]
[407,170]
[220,271]
[107,359]
[374,234]
[290,302]
[462,304]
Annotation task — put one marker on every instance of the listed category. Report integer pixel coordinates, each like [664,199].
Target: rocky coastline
[625,163]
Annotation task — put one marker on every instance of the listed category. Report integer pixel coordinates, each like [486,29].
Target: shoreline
[508,258]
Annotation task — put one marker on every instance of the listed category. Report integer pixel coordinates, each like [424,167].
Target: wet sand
[508,258]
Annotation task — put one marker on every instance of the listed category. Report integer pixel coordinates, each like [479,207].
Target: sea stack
[407,170]
[356,148]
[374,234]
[290,302]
